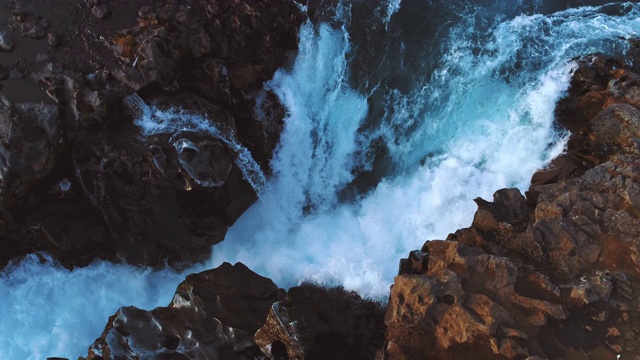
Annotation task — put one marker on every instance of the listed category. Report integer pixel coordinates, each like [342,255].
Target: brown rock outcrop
[554,275]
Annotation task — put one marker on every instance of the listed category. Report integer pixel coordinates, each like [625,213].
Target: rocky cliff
[78,180]
[550,275]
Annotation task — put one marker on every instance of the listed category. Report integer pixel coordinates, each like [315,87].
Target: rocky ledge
[78,180]
[554,274]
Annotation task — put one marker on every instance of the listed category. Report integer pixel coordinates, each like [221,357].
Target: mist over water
[394,124]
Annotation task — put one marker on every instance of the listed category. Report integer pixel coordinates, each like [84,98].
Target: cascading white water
[480,120]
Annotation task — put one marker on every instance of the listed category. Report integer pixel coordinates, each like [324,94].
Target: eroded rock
[213,315]
[100,11]
[317,323]
[30,139]
[159,199]
[552,275]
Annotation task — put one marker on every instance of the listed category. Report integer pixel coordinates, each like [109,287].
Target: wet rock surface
[6,43]
[79,180]
[215,314]
[319,323]
[553,275]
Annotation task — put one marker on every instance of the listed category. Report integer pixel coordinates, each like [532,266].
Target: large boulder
[232,313]
[319,323]
[30,146]
[213,315]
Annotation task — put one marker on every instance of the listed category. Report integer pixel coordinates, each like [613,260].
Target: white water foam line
[152,120]
[51,311]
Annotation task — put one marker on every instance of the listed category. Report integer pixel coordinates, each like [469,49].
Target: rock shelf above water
[65,72]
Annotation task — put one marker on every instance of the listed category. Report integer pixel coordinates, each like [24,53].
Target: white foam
[314,158]
[489,114]
[386,9]
[50,311]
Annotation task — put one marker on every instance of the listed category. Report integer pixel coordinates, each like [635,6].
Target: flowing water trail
[51,311]
[152,120]
[395,123]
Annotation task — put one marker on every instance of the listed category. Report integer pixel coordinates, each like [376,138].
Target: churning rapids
[399,114]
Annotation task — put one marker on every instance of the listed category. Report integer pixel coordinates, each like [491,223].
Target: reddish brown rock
[553,275]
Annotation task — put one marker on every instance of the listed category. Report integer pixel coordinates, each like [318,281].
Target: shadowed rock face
[319,323]
[215,314]
[30,138]
[553,275]
[79,181]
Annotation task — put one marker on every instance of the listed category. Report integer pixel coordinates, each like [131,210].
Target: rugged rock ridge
[215,314]
[77,178]
[552,275]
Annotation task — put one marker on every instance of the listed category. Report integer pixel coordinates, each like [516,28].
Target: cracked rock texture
[78,179]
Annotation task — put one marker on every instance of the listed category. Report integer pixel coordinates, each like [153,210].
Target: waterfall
[393,125]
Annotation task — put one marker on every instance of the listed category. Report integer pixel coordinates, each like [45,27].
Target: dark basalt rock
[30,137]
[100,11]
[215,314]
[53,39]
[6,43]
[553,275]
[151,200]
[319,323]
